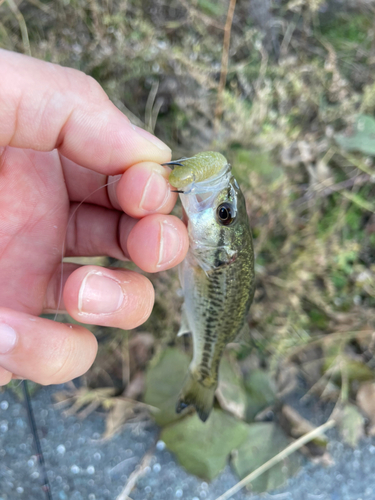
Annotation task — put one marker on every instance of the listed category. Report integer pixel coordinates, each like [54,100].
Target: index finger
[44,106]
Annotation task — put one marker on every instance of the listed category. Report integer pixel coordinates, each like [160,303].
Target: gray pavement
[82,466]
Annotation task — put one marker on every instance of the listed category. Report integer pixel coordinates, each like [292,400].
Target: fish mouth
[209,186]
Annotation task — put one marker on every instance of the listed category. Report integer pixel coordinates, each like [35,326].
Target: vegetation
[296,120]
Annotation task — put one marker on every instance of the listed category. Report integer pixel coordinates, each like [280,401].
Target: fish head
[216,219]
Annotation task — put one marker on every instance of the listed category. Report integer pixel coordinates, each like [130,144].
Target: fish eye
[225,214]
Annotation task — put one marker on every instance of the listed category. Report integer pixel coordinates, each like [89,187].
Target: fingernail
[99,294]
[8,338]
[146,135]
[170,243]
[155,193]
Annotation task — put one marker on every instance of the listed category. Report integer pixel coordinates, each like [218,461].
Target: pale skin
[61,138]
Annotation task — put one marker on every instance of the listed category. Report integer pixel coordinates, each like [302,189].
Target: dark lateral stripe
[220,243]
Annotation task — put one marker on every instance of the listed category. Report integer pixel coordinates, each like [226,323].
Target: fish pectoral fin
[182,331]
[184,326]
[204,257]
[194,393]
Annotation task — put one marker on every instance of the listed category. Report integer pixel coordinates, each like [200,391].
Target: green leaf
[264,441]
[361,137]
[260,393]
[343,366]
[351,424]
[203,448]
[211,8]
[231,391]
[164,381]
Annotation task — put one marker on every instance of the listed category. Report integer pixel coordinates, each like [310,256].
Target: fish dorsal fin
[184,326]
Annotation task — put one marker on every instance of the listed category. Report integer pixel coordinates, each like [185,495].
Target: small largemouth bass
[217,275]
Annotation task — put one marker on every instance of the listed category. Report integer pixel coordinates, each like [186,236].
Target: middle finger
[154,243]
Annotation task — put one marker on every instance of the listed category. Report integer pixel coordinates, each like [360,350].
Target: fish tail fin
[195,393]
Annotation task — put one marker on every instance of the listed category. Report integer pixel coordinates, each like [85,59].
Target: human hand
[60,139]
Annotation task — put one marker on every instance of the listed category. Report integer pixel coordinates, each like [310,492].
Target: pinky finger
[43,351]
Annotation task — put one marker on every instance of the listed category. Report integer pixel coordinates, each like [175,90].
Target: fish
[217,276]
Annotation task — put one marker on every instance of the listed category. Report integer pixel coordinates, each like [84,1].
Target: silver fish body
[217,278]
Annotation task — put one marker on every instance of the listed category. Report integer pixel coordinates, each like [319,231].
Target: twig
[40,5]
[358,180]
[363,204]
[22,24]
[287,38]
[199,15]
[149,105]
[296,445]
[224,63]
[134,476]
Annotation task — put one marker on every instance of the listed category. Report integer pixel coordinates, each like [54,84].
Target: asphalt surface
[82,466]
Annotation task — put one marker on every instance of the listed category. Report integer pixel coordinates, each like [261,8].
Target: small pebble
[4,426]
[74,469]
[160,445]
[91,496]
[4,405]
[156,468]
[90,469]
[178,493]
[20,423]
[97,456]
[19,489]
[148,489]
[61,449]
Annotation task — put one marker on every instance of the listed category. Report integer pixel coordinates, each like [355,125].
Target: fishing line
[25,388]
[46,487]
[63,245]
